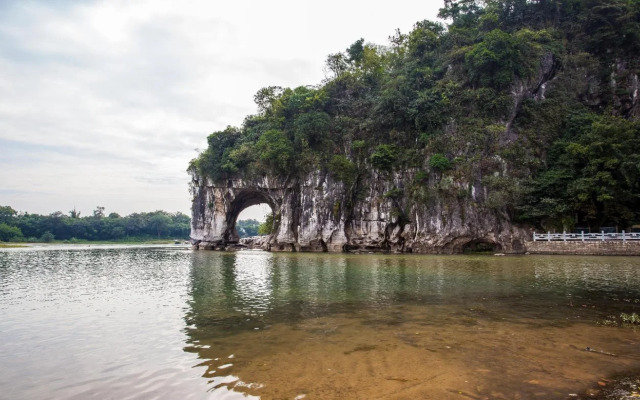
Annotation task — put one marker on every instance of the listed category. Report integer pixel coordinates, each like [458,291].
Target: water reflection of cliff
[250,306]
[247,290]
[236,292]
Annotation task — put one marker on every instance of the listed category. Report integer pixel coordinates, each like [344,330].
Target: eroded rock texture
[318,213]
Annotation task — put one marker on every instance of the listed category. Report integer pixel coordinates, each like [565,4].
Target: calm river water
[117,322]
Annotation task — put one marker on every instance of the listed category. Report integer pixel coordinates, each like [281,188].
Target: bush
[47,237]
[275,150]
[421,177]
[439,162]
[10,233]
[214,161]
[341,168]
[311,128]
[266,228]
[384,157]
[358,144]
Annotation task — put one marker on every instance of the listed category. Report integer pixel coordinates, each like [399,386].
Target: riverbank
[586,248]
[592,248]
[59,242]
[4,245]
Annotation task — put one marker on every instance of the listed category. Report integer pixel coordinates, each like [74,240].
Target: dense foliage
[266,228]
[533,99]
[18,227]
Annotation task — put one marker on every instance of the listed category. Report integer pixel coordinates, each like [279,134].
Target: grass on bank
[129,241]
[4,245]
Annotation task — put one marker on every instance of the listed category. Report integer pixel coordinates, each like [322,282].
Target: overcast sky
[104,103]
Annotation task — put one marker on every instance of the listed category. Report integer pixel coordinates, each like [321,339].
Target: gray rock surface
[312,214]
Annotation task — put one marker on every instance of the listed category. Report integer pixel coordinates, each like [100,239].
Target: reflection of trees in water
[236,292]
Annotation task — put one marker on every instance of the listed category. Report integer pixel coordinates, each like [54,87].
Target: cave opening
[481,247]
[248,210]
[251,218]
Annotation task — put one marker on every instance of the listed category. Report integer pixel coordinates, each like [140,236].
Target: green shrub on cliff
[343,169]
[266,228]
[384,157]
[275,151]
[439,162]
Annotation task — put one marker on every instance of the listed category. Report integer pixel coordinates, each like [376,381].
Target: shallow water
[164,322]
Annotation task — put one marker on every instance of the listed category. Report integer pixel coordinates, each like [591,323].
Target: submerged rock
[624,387]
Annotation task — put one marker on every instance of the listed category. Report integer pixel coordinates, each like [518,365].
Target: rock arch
[216,208]
[243,199]
[308,216]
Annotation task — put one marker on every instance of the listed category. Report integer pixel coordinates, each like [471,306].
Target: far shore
[6,245]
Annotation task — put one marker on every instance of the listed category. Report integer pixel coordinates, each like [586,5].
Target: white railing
[576,237]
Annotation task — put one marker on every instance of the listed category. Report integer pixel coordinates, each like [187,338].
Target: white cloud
[104,102]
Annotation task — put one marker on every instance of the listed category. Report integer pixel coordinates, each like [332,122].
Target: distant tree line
[251,227]
[247,227]
[18,227]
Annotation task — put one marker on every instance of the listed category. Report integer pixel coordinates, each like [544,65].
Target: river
[164,322]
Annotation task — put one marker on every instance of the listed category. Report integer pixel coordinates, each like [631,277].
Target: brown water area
[411,354]
[462,341]
[166,323]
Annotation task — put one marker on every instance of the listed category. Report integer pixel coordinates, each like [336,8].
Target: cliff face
[399,211]
[312,214]
[418,210]
[442,140]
